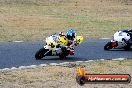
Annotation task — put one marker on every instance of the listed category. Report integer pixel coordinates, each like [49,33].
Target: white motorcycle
[119,41]
[52,48]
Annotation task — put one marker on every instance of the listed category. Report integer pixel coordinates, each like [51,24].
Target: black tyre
[127,47]
[81,80]
[62,56]
[64,53]
[40,54]
[108,46]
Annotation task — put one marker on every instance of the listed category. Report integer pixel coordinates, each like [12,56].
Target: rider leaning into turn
[129,32]
[67,39]
[70,36]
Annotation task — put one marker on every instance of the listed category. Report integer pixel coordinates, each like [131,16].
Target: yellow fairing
[79,39]
[63,40]
[52,44]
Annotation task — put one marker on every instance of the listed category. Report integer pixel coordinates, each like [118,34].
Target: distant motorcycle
[119,41]
[53,48]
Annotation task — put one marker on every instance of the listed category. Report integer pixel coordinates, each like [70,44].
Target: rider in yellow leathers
[67,39]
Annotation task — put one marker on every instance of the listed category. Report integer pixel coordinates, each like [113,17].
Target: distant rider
[130,33]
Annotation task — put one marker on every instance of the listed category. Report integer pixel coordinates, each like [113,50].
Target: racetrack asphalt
[15,54]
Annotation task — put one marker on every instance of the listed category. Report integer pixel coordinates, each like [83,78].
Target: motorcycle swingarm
[51,53]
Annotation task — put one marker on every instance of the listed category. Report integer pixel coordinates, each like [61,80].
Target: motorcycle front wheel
[108,46]
[40,53]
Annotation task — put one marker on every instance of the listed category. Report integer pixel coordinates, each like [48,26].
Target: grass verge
[64,76]
[36,19]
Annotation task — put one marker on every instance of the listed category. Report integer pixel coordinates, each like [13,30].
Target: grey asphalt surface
[15,54]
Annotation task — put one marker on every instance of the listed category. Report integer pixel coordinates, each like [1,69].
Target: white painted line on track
[91,60]
[43,65]
[87,61]
[64,63]
[79,61]
[32,66]
[14,68]
[119,59]
[18,41]
[5,69]
[55,64]
[22,67]
[102,59]
[105,38]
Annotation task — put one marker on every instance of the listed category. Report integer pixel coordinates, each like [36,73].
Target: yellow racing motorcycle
[60,48]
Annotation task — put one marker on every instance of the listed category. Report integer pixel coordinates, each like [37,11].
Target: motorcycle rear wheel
[62,56]
[64,53]
[127,47]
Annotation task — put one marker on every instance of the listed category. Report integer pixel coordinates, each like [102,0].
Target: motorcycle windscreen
[50,42]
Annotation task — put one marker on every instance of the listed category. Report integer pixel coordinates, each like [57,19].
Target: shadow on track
[66,59]
[119,50]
